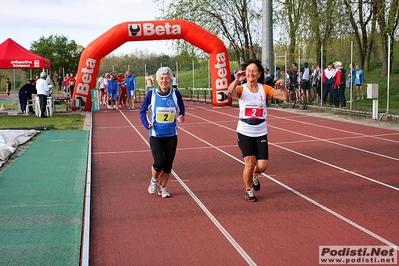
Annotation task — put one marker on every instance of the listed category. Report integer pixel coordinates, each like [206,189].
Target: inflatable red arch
[153,30]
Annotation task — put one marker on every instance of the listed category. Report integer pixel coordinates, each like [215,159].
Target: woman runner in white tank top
[252,126]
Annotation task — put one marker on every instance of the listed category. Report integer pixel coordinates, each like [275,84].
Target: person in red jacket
[122,96]
[71,83]
[337,82]
[339,99]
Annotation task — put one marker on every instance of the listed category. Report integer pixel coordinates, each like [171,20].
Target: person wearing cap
[339,99]
[43,90]
[161,110]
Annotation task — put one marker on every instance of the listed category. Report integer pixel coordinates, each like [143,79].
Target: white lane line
[312,158]
[226,234]
[336,143]
[336,167]
[335,129]
[232,241]
[320,139]
[363,229]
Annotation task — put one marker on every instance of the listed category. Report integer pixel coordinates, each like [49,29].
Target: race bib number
[253,110]
[165,114]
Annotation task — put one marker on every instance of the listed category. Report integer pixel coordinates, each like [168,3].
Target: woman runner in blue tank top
[161,110]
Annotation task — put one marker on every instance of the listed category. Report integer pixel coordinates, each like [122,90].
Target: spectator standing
[130,82]
[305,81]
[106,98]
[161,110]
[113,91]
[268,80]
[65,84]
[252,127]
[175,82]
[59,82]
[359,81]
[48,79]
[340,84]
[316,82]
[149,82]
[100,84]
[8,87]
[328,80]
[122,87]
[294,79]
[71,83]
[233,75]
[337,82]
[43,90]
[277,74]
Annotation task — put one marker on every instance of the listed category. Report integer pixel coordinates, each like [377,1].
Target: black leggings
[163,151]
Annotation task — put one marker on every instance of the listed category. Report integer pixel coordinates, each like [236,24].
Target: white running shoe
[163,193]
[152,188]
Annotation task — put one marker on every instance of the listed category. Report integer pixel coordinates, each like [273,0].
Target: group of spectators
[68,84]
[117,91]
[41,86]
[333,80]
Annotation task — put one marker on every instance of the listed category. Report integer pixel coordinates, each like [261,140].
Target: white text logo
[83,88]
[149,29]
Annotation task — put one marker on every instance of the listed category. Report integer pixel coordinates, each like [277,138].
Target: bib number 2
[165,115]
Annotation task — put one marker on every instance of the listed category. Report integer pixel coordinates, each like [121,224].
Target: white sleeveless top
[252,105]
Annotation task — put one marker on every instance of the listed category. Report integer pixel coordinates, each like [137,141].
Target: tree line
[301,24]
[314,29]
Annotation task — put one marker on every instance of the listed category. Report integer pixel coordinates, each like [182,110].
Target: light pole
[267,34]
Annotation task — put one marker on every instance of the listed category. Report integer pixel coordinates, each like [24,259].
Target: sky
[82,21]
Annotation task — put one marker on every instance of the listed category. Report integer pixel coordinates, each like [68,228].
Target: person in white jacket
[43,90]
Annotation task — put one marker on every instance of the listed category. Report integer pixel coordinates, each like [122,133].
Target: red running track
[329,183]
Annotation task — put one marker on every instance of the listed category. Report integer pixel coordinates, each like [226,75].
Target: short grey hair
[163,71]
[43,75]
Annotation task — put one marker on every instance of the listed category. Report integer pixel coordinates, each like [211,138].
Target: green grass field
[59,121]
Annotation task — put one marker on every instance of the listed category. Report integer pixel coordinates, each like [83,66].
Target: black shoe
[250,196]
[43,116]
[255,183]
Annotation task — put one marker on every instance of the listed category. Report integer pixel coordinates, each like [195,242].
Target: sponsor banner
[95,103]
[154,30]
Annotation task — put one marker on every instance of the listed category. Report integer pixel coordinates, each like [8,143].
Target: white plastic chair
[15,103]
[28,105]
[49,106]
